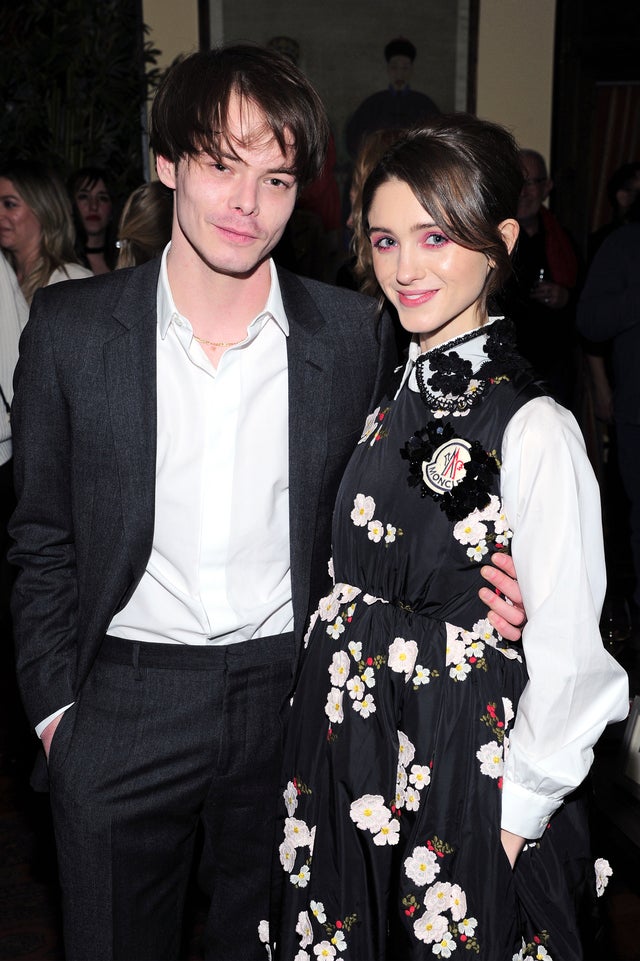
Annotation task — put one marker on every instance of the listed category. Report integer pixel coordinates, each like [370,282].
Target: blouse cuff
[524,812]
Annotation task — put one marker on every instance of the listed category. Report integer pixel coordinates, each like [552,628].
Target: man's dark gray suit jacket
[84,427]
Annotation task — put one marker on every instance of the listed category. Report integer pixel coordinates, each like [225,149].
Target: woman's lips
[415,298]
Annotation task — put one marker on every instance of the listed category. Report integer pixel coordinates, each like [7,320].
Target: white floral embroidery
[346,593]
[317,910]
[507,707]
[328,607]
[406,750]
[369,677]
[438,897]
[388,834]
[333,707]
[520,955]
[303,928]
[491,759]
[488,635]
[287,853]
[468,926]
[370,425]
[390,536]
[430,928]
[470,530]
[412,799]
[477,552]
[480,526]
[336,629]
[420,776]
[422,675]
[370,599]
[474,649]
[339,669]
[542,954]
[422,866]
[324,950]
[339,940]
[297,832]
[302,956]
[290,798]
[312,624]
[263,932]
[603,873]
[402,779]
[363,508]
[376,531]
[302,877]
[369,812]
[355,688]
[365,707]
[458,903]
[402,656]
[445,947]
[459,671]
[355,649]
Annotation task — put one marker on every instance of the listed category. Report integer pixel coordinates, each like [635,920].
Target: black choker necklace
[94,250]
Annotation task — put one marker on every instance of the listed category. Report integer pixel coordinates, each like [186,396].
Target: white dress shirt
[219,570]
[552,501]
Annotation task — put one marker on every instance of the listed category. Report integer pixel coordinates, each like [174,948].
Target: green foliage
[75,76]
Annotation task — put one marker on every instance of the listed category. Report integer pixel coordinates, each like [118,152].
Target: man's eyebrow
[221,155]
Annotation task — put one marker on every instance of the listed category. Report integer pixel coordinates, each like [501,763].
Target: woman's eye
[436,240]
[383,243]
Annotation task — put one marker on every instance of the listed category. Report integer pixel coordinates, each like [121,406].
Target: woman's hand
[507,613]
[512,844]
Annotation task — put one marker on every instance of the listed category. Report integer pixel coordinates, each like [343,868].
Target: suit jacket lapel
[130,372]
[309,361]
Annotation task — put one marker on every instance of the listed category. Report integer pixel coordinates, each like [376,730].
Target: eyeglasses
[533,181]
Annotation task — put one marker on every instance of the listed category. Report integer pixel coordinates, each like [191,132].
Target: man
[395,108]
[540,299]
[623,189]
[609,311]
[181,432]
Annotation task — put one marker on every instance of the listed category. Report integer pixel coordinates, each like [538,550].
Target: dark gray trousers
[164,738]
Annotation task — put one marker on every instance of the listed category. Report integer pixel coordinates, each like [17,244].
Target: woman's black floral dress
[389,843]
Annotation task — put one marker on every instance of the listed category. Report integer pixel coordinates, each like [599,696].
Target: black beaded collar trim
[452,377]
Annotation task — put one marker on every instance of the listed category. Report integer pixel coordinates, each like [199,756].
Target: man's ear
[166,171]
[509,230]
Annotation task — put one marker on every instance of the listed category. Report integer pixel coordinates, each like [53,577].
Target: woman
[36,227]
[145,224]
[424,760]
[94,219]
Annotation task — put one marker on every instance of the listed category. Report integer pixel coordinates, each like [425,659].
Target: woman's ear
[509,230]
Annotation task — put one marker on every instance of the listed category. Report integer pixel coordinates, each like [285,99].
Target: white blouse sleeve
[575,688]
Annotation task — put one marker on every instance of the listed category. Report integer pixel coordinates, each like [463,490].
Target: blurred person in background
[36,227]
[540,297]
[94,219]
[145,224]
[13,317]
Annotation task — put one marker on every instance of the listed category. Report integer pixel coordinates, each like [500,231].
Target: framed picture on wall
[629,766]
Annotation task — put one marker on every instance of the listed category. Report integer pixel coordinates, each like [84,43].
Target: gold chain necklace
[214,343]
